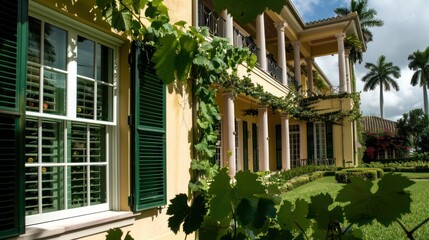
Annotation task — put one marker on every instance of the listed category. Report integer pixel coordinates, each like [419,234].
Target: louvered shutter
[279,146]
[245,146]
[329,140]
[255,147]
[148,124]
[13,45]
[310,142]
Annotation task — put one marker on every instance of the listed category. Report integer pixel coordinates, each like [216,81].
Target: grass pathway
[419,207]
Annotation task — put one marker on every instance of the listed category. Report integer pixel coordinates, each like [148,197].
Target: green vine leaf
[188,46]
[266,209]
[102,4]
[295,219]
[386,205]
[192,217]
[212,230]
[277,234]
[165,58]
[223,197]
[248,185]
[138,5]
[319,211]
[246,211]
[245,11]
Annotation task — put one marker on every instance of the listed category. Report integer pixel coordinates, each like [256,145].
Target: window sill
[77,227]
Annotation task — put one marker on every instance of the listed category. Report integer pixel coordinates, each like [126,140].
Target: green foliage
[345,175]
[377,143]
[413,126]
[386,205]
[116,234]
[243,209]
[295,219]
[245,11]
[191,216]
[401,166]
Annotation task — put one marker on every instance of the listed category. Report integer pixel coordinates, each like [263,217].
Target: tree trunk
[425,99]
[381,100]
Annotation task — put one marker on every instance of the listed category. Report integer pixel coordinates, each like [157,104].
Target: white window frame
[75,28]
[319,136]
[294,137]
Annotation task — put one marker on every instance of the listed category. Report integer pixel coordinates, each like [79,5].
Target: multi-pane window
[218,155]
[294,144]
[319,141]
[70,103]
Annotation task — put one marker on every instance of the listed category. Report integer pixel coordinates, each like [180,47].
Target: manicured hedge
[415,166]
[345,175]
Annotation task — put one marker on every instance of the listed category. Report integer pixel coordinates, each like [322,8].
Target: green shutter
[329,140]
[13,51]
[310,142]
[245,146]
[279,146]
[148,129]
[255,147]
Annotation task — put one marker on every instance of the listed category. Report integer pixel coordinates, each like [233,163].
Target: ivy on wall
[186,54]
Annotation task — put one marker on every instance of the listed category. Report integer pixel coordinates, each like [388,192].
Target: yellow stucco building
[94,147]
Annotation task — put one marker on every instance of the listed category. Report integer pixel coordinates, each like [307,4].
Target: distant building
[382,140]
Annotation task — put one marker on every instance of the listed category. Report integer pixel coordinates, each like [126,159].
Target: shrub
[409,166]
[300,180]
[344,176]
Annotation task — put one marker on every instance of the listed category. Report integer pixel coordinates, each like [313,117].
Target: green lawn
[376,231]
[415,175]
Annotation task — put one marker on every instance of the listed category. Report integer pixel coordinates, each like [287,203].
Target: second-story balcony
[240,38]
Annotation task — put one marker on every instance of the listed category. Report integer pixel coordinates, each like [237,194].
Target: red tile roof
[377,124]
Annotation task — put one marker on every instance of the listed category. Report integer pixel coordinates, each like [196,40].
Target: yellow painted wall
[150,224]
[262,78]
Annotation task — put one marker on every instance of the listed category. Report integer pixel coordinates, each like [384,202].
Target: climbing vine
[185,54]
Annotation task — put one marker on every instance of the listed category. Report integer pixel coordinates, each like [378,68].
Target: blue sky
[312,10]
[405,30]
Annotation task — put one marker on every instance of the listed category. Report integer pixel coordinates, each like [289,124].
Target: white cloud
[404,31]
[306,7]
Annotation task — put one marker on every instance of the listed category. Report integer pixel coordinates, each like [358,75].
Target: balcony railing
[217,27]
[273,69]
[208,18]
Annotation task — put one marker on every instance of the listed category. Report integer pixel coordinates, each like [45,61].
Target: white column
[263,138]
[195,12]
[348,76]
[341,62]
[229,138]
[310,79]
[285,142]
[281,46]
[260,39]
[229,26]
[297,62]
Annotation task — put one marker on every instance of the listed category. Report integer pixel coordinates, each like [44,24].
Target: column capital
[262,106]
[296,44]
[280,25]
[229,95]
[340,36]
[284,115]
[309,59]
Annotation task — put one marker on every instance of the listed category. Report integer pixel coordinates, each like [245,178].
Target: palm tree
[381,74]
[419,62]
[366,16]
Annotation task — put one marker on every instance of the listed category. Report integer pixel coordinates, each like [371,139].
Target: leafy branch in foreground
[244,209]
